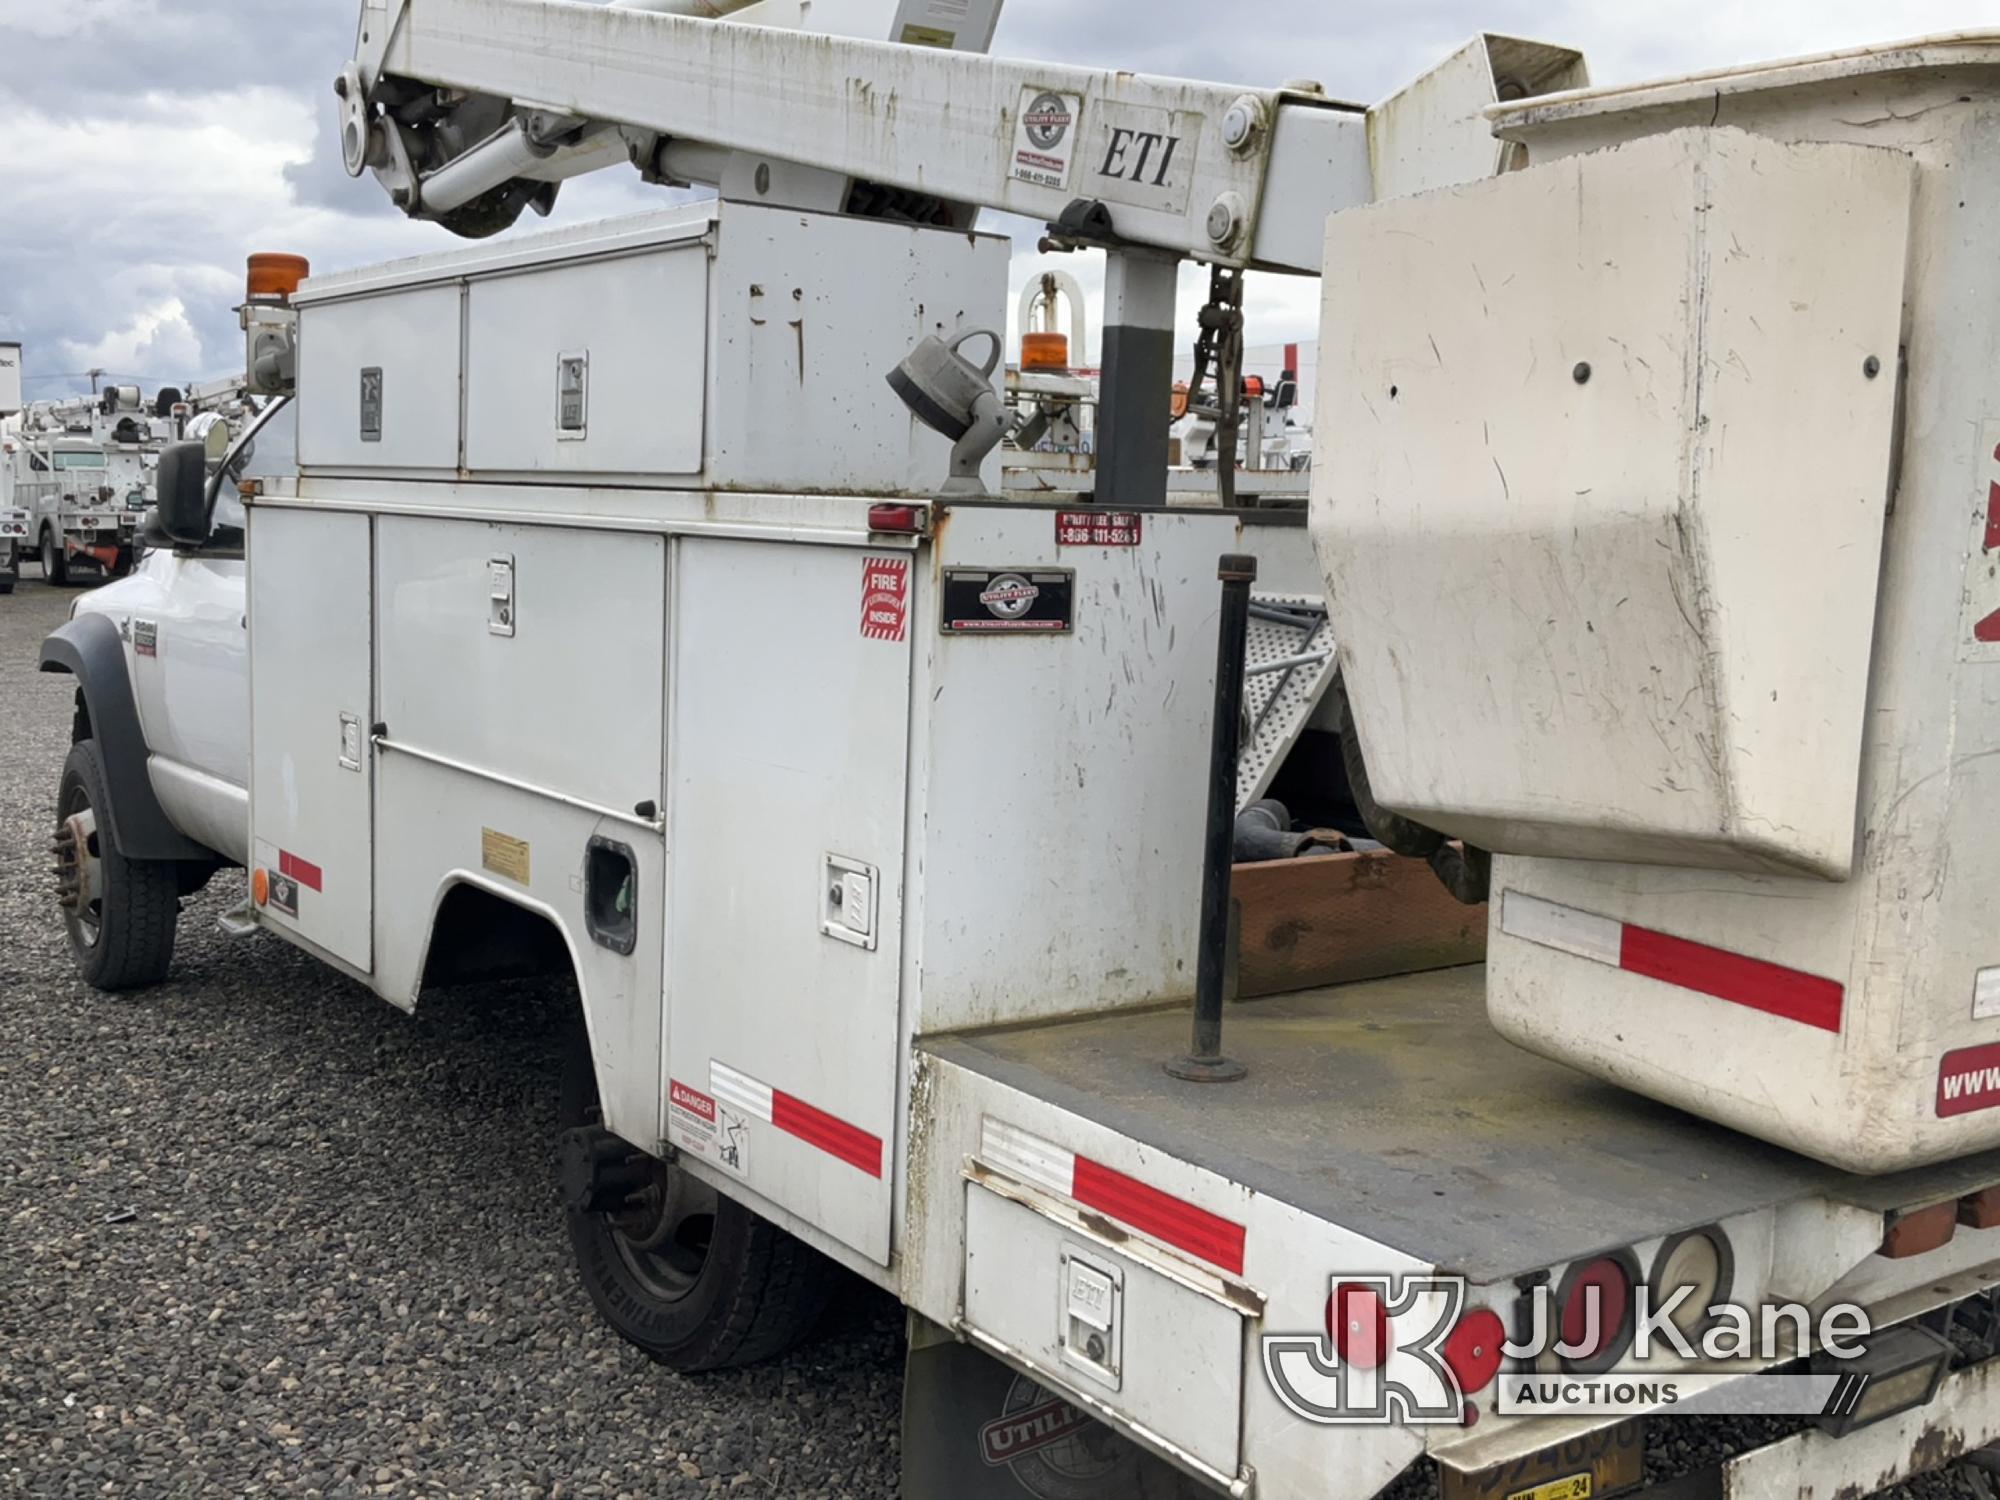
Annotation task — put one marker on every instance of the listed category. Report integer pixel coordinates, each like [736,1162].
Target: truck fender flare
[90,650]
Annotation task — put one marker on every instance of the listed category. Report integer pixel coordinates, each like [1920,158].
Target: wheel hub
[596,1172]
[78,878]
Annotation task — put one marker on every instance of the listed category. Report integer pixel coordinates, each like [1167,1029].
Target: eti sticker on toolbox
[1008,601]
[1045,137]
[714,1132]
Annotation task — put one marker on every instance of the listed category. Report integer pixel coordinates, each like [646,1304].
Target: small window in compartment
[611,895]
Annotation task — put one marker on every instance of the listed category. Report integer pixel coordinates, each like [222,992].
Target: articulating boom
[469,111]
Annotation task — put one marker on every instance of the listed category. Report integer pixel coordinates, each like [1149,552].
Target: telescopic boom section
[469,110]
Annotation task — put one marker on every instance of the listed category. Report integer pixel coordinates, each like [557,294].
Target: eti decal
[1142,156]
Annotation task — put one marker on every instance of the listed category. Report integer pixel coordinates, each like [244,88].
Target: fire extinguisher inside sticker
[885,598]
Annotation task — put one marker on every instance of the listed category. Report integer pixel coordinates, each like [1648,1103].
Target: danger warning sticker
[697,1124]
[885,598]
[1045,137]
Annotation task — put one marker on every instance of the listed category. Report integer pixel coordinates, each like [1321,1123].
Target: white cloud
[159,337]
[152,145]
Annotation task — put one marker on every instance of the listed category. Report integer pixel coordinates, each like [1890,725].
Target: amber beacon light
[273,277]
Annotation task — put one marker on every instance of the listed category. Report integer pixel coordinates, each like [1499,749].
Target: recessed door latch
[500,591]
[848,908]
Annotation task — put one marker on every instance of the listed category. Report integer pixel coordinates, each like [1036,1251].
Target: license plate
[1586,1468]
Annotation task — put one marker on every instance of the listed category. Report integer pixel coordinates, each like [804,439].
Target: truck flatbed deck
[1392,1108]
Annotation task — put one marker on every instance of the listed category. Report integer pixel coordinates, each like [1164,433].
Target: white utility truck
[15,519]
[592,604]
[84,470]
[13,515]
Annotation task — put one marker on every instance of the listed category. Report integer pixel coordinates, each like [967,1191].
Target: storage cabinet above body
[713,346]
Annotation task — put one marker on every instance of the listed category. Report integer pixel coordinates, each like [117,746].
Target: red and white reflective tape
[304,871]
[1172,1220]
[794,1116]
[1771,988]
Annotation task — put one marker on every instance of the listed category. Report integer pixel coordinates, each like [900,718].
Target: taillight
[1358,1324]
[1701,1261]
[1472,1349]
[1594,1313]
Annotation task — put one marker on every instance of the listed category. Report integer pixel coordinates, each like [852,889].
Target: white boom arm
[468,110]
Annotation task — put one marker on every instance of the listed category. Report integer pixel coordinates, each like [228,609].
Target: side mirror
[181,487]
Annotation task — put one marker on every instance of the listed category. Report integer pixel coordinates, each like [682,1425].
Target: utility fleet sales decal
[1045,137]
[1008,601]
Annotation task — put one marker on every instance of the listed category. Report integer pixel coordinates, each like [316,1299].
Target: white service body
[473,578]
[1656,572]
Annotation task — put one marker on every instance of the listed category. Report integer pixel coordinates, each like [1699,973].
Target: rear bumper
[1963,1416]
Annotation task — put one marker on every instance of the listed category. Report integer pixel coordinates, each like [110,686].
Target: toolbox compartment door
[378,381]
[1138,1342]
[787,762]
[311,629]
[595,368]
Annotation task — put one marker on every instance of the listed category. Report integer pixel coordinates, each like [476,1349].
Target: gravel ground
[261,1233]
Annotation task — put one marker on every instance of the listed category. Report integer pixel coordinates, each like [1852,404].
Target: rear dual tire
[55,559]
[706,1285]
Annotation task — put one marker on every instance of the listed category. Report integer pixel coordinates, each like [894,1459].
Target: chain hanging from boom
[1221,345]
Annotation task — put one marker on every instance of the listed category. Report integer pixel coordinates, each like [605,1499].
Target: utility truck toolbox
[635,610]
[1661,544]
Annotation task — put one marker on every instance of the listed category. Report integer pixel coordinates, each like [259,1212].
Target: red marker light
[909,519]
[1358,1324]
[1472,1349]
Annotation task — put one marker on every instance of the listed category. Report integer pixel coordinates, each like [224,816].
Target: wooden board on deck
[1333,918]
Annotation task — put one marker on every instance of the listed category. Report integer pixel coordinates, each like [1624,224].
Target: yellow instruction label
[503,855]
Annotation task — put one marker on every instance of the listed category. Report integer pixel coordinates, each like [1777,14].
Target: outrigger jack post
[1204,1062]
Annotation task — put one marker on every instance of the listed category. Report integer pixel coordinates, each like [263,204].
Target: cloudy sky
[150,144]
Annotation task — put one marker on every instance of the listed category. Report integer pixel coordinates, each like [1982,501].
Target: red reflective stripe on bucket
[304,871]
[834,1136]
[1755,983]
[1150,1211]
[1771,988]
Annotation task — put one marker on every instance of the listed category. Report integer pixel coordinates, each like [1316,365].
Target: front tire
[55,559]
[119,913]
[691,1278]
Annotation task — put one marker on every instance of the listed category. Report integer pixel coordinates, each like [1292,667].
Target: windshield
[268,449]
[80,461]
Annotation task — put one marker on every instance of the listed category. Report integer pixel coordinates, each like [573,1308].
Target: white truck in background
[865,806]
[84,470]
[13,516]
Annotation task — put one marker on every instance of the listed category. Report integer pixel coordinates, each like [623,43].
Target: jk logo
[1385,1361]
